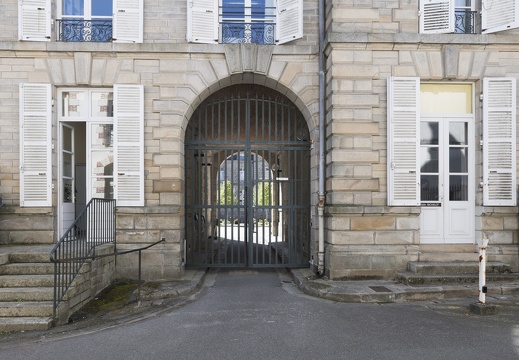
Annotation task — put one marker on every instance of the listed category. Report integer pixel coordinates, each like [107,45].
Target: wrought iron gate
[247,181]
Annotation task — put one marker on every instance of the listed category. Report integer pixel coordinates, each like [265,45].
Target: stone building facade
[380,61]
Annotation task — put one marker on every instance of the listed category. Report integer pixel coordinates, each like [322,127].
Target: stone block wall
[370,41]
[26,226]
[94,276]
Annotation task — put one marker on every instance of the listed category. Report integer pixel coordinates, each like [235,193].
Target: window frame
[202,13]
[502,15]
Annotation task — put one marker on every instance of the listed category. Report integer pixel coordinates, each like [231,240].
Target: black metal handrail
[94,226]
[79,30]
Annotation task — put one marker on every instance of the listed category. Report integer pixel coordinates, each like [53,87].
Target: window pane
[458,160]
[233,9]
[67,164]
[74,104]
[429,160]
[73,7]
[102,104]
[463,3]
[458,133]
[102,163]
[458,187]
[258,9]
[429,133]
[101,8]
[102,136]
[429,188]
[68,192]
[103,188]
[445,98]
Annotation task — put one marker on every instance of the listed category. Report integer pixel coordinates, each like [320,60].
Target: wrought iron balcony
[465,22]
[255,33]
[247,25]
[77,30]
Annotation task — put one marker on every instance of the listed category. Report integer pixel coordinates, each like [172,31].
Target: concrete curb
[386,291]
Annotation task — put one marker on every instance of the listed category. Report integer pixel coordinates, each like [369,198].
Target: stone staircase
[455,273]
[26,288]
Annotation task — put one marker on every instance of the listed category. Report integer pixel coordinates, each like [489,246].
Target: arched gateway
[247,161]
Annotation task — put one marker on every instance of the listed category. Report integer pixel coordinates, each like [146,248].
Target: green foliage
[226,195]
[263,194]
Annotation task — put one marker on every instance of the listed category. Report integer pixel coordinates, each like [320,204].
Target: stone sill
[372,210]
[166,47]
[417,39]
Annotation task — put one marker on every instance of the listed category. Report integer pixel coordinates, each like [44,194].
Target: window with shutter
[403,146]
[129,144]
[34,18]
[244,21]
[459,16]
[499,158]
[100,21]
[35,145]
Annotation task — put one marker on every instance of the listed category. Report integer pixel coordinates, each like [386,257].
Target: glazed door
[447,180]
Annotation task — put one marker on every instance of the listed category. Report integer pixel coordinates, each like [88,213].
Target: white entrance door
[67,187]
[447,180]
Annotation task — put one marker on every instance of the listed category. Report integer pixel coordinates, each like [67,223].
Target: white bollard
[483,243]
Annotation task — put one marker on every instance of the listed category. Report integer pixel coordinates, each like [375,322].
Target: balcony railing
[78,30]
[236,33]
[465,22]
[247,25]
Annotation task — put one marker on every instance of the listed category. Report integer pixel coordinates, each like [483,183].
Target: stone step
[11,324]
[448,257]
[453,268]
[26,309]
[29,257]
[26,281]
[423,279]
[25,253]
[27,269]
[15,294]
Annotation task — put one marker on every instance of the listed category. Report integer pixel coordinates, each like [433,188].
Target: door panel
[68,194]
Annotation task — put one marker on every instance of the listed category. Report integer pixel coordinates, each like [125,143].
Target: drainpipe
[322,139]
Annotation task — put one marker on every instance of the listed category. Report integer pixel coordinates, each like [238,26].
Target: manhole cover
[380,289]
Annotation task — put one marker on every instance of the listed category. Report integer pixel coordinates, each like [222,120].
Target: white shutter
[35,145]
[202,21]
[128,21]
[437,16]
[34,20]
[499,15]
[129,145]
[403,141]
[499,159]
[289,20]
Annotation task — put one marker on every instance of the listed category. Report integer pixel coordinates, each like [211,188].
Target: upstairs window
[461,16]
[464,17]
[82,20]
[247,21]
[244,21]
[85,20]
